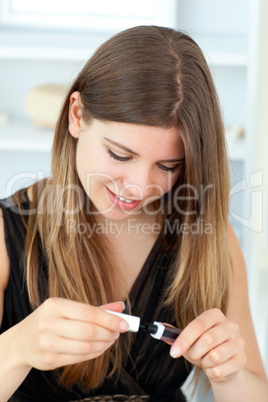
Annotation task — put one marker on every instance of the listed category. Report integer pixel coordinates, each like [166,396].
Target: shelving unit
[23,45]
[23,136]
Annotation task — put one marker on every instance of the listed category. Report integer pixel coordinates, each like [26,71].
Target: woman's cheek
[169,182]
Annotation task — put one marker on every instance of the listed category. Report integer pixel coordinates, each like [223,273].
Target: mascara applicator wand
[157,330]
[165,332]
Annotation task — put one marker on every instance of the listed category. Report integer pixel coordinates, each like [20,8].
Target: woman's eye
[128,158]
[117,157]
[168,169]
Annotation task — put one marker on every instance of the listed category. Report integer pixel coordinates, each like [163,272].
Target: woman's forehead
[140,139]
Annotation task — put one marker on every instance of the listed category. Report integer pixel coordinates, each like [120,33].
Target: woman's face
[125,167]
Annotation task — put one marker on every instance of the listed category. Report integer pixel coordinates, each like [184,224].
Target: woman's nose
[140,184]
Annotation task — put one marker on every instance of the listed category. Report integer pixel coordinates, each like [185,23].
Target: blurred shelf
[45,53]
[224,49]
[237,149]
[23,136]
[23,45]
[227,59]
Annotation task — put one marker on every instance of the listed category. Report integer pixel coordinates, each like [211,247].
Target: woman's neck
[130,227]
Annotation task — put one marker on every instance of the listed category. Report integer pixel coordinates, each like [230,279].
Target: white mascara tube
[132,320]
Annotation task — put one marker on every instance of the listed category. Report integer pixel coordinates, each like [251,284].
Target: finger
[207,341]
[194,330]
[116,306]
[51,346]
[79,347]
[228,368]
[84,312]
[222,353]
[83,331]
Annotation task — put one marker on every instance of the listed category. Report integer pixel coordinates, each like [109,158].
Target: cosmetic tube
[157,330]
[132,320]
[165,332]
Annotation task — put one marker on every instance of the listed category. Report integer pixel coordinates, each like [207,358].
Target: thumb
[116,306]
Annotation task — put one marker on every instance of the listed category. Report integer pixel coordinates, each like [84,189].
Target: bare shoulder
[239,308]
[4,260]
[4,265]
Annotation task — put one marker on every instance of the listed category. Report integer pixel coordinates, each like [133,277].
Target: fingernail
[175,351]
[123,326]
[123,304]
[116,335]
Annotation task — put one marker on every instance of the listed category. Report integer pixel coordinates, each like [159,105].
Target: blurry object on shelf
[4,118]
[43,104]
[234,133]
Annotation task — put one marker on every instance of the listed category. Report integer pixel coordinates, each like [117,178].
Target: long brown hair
[159,77]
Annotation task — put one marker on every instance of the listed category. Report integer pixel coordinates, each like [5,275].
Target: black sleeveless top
[149,371]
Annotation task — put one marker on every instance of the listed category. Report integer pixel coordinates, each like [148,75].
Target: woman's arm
[10,375]
[58,333]
[239,309]
[251,382]
[226,346]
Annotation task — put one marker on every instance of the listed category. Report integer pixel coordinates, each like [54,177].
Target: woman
[136,210]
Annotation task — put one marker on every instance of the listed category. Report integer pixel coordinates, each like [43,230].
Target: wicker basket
[115,398]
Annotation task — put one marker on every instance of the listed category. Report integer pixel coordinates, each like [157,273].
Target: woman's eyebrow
[135,153]
[121,146]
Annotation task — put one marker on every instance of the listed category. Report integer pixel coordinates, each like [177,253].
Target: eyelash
[118,158]
[126,159]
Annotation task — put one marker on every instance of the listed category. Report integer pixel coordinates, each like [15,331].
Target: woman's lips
[120,203]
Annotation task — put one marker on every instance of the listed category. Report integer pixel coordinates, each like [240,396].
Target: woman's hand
[214,343]
[62,332]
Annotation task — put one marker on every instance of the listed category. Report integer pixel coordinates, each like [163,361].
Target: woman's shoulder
[4,260]
[15,211]
[17,207]
[15,200]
